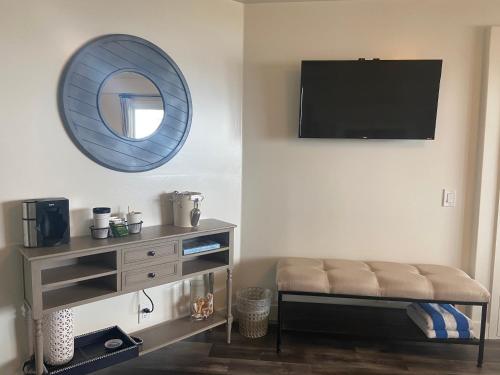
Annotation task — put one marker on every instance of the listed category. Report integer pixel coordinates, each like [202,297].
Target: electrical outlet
[142,316]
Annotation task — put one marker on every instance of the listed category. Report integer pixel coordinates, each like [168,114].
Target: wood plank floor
[305,354]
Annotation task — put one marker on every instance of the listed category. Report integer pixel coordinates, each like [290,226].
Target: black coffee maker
[46,222]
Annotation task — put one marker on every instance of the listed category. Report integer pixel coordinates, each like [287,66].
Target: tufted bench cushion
[380,279]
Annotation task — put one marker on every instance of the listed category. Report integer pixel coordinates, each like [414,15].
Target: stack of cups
[101,221]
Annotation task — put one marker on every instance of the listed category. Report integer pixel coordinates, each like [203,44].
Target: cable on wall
[146,310]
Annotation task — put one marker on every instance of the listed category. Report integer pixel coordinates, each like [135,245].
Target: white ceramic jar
[184,204]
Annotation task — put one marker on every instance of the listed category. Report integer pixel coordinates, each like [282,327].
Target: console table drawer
[159,250]
[149,276]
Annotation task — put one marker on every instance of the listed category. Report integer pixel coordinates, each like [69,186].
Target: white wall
[331,198]
[373,200]
[37,158]
[486,254]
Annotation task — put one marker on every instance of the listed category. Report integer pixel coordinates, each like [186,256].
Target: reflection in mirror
[131,105]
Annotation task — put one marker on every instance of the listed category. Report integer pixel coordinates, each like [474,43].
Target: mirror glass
[131,105]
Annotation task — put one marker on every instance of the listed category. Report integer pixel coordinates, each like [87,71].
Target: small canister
[134,222]
[101,217]
[186,208]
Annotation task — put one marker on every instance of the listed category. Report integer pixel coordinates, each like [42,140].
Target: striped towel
[441,321]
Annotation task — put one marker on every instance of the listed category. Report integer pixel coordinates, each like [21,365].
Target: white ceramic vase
[58,337]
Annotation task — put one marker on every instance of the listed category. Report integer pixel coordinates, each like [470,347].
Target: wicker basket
[253,305]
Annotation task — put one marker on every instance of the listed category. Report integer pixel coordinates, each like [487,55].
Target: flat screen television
[369,99]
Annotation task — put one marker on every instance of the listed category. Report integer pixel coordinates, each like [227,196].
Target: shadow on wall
[178,293]
[167,208]
[277,97]
[281,90]
[263,270]
[80,221]
[12,295]
[476,110]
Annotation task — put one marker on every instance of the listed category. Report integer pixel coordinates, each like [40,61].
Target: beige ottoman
[381,281]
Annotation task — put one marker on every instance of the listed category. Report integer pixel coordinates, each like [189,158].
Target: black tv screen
[369,99]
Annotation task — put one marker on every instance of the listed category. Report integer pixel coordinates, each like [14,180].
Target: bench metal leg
[278,336]
[229,296]
[480,356]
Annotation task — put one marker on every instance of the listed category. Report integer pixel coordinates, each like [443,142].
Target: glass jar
[202,298]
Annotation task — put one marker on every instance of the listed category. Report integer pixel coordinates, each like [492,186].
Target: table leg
[38,347]
[31,330]
[229,296]
[211,282]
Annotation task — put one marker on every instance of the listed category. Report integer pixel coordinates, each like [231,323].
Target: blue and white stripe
[441,321]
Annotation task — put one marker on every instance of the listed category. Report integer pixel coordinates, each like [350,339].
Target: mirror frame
[79,90]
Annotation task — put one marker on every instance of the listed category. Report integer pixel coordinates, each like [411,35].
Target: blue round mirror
[125,103]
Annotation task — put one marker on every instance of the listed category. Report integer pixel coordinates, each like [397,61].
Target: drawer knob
[151,275]
[152,253]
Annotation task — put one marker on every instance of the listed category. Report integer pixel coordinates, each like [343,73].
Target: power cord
[147,310]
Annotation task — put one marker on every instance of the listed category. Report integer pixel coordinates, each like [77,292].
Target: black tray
[91,355]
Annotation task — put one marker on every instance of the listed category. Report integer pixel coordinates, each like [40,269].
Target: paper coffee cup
[101,217]
[134,217]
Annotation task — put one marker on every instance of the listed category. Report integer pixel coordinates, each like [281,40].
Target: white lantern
[58,337]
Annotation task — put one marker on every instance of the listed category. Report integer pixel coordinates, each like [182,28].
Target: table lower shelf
[167,333]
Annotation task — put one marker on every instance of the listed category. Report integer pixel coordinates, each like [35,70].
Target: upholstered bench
[381,281]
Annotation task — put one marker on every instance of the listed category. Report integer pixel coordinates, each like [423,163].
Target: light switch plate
[449,198]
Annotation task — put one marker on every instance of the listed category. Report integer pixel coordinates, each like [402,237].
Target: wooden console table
[88,270]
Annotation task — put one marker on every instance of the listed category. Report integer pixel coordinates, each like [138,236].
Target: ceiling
[274,1]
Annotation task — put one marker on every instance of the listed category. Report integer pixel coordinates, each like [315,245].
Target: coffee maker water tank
[46,222]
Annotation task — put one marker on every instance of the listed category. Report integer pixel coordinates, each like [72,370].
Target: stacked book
[196,245]
[440,321]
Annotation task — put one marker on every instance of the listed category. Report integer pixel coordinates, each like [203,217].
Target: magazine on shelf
[196,245]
